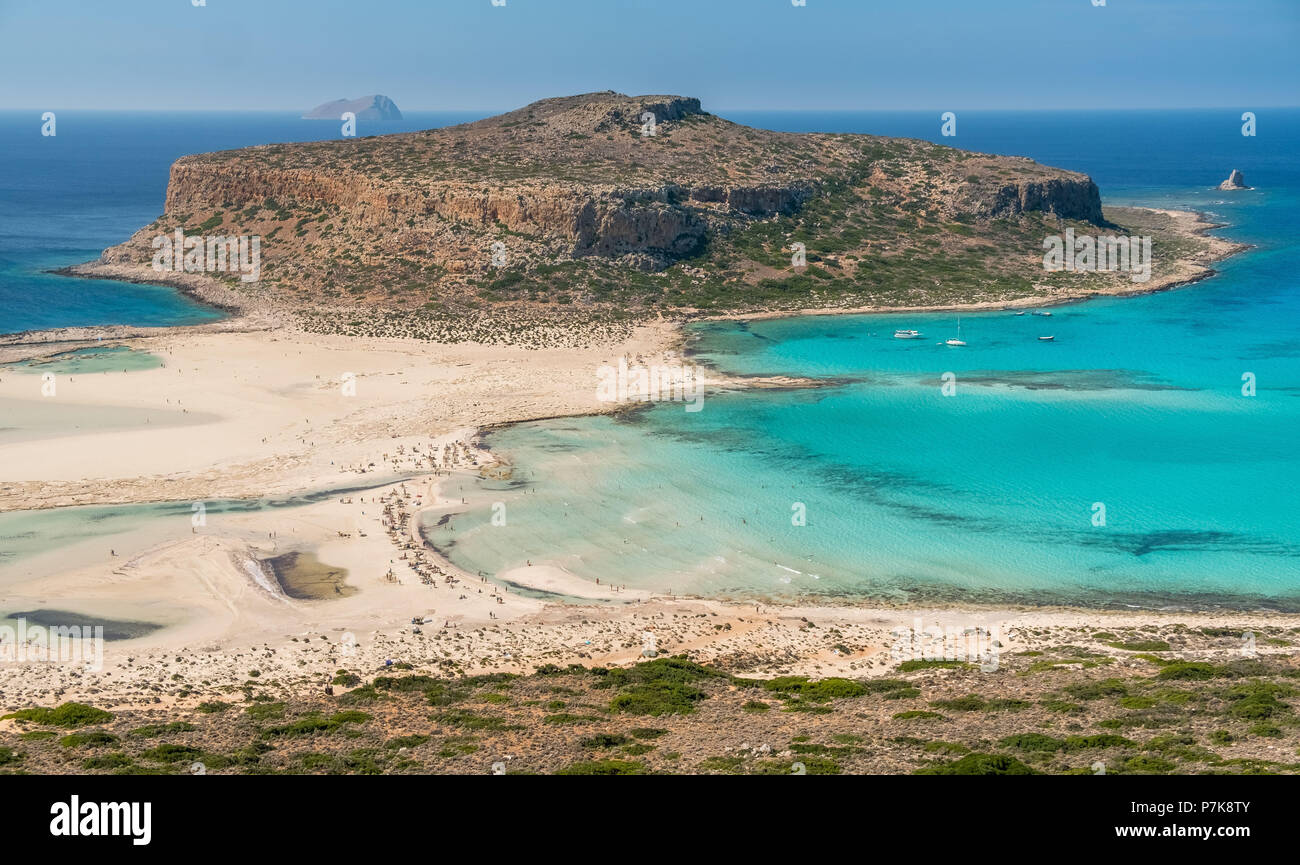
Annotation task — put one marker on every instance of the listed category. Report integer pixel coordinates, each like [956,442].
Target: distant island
[375,107]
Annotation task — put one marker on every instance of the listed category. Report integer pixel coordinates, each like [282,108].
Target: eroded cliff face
[667,223]
[1068,198]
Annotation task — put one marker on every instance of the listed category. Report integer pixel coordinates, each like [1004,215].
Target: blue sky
[748,54]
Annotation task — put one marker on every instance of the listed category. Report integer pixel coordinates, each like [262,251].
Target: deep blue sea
[992,494]
[103,175]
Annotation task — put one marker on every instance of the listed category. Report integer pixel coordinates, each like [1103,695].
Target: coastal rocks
[1235,181]
[376,107]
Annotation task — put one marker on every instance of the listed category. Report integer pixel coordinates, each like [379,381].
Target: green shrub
[820,690]
[412,741]
[1099,740]
[659,687]
[804,765]
[316,724]
[113,760]
[1145,765]
[604,767]
[968,703]
[265,711]
[405,683]
[172,753]
[1138,702]
[941,747]
[66,715]
[212,707]
[1031,742]
[647,732]
[349,717]
[1188,671]
[979,764]
[1097,690]
[210,223]
[1256,702]
[149,731]
[1062,706]
[721,764]
[89,739]
[658,698]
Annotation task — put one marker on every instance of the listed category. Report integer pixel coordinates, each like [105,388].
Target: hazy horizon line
[1073,109]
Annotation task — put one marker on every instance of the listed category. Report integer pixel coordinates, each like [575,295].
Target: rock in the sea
[1234,181]
[375,107]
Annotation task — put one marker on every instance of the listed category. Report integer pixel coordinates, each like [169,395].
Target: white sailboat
[958,340]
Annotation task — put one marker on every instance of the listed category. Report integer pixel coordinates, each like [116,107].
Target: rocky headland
[609,210]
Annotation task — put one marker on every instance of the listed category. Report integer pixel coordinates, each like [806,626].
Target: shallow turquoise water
[26,535]
[112,358]
[987,495]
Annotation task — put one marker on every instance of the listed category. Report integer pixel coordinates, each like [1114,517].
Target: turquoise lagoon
[992,494]
[1135,411]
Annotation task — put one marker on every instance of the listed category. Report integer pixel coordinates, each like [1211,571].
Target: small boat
[907,334]
[1046,338]
[1041,312]
[958,340]
[1022,312]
